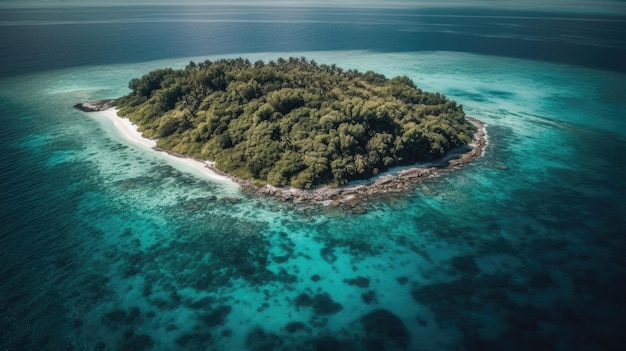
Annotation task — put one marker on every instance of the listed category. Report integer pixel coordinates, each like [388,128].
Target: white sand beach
[125,128]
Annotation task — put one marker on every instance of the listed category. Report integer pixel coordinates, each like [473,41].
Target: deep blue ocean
[108,246]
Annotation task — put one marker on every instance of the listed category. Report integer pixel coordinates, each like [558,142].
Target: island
[299,130]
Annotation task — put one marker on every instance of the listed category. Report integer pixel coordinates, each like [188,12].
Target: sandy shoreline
[127,128]
[129,131]
[393,181]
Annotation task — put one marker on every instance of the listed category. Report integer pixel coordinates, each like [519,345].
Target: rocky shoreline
[94,106]
[388,182]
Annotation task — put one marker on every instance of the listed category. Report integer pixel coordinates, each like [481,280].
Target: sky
[591,6]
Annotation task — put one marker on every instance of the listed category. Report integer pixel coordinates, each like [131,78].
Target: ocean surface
[105,245]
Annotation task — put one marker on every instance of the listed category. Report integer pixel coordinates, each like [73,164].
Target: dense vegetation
[292,122]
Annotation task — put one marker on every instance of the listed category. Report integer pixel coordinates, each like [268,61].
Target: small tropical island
[299,130]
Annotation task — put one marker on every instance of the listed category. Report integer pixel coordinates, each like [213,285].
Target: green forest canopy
[293,122]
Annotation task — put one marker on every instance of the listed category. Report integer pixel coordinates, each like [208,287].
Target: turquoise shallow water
[107,245]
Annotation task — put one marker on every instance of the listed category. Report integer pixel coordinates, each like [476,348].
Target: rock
[402,280]
[303,300]
[94,106]
[361,282]
[358,210]
[330,343]
[324,305]
[133,341]
[384,181]
[194,340]
[293,327]
[216,317]
[501,166]
[383,327]
[116,316]
[259,340]
[368,297]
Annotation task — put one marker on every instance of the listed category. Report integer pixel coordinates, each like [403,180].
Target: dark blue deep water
[106,245]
